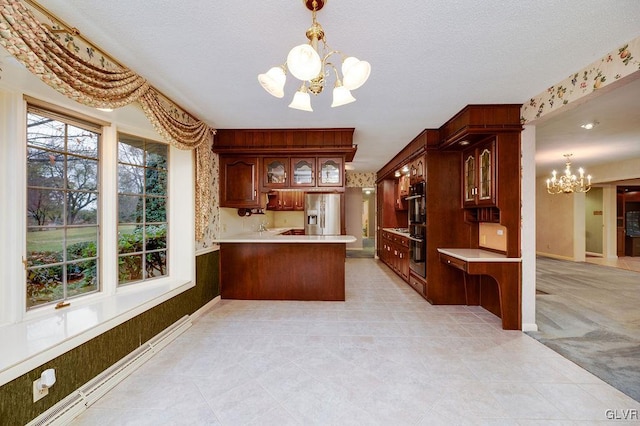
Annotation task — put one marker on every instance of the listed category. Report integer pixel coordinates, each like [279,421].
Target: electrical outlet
[38,393]
[500,232]
[483,239]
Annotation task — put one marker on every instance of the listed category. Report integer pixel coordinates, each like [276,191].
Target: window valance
[74,67]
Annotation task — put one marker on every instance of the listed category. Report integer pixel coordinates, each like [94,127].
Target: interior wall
[554,223]
[593,216]
[353,216]
[371,213]
[96,355]
[561,220]
[288,219]
[231,223]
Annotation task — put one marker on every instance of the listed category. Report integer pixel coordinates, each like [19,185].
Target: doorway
[360,221]
[594,223]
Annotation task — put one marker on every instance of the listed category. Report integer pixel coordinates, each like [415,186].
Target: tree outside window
[62,208]
[142,209]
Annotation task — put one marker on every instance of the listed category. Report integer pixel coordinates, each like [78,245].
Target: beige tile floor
[383,357]
[627,262]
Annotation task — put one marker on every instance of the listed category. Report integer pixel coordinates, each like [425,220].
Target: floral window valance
[73,67]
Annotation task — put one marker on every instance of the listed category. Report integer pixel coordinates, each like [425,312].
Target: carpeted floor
[590,314]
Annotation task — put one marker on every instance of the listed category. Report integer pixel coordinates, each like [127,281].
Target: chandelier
[310,63]
[568,183]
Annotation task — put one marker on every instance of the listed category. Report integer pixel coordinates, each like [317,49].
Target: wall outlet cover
[37,393]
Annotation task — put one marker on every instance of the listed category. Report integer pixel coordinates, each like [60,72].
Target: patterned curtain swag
[99,83]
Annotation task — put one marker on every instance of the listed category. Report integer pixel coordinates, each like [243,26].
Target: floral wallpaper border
[619,63]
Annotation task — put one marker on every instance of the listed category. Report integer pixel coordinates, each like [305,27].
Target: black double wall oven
[417,229]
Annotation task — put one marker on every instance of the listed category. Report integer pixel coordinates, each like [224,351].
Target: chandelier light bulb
[341,96]
[273,81]
[304,62]
[355,72]
[301,100]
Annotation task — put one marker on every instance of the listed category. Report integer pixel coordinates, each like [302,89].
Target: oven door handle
[413,197]
[420,240]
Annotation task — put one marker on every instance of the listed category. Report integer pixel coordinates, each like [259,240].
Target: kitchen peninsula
[283,170]
[269,265]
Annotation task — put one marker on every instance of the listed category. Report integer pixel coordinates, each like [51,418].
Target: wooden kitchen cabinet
[239,182]
[330,171]
[298,200]
[479,175]
[403,186]
[275,172]
[416,170]
[395,253]
[402,191]
[285,200]
[303,172]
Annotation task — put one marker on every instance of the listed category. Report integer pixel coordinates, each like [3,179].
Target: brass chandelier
[310,63]
[568,182]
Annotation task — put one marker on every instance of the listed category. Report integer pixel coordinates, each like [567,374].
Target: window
[142,209]
[62,254]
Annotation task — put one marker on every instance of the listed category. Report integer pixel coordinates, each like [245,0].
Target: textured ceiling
[429,58]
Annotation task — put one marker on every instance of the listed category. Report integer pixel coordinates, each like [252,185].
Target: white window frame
[144,251]
[43,333]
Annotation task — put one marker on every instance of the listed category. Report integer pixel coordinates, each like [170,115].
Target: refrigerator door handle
[322,214]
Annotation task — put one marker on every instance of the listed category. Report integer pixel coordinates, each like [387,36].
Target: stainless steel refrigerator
[322,214]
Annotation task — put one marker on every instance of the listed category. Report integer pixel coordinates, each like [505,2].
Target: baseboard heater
[74,404]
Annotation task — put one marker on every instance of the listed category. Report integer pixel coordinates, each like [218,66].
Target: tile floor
[625,262]
[383,357]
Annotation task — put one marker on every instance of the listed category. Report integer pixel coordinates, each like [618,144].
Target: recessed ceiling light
[589,126]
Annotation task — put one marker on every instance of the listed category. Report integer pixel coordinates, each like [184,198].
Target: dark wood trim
[475,122]
[427,139]
[286,141]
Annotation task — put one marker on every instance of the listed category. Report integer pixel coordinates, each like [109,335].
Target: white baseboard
[555,256]
[204,309]
[78,401]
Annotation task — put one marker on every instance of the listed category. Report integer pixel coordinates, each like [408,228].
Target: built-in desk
[506,271]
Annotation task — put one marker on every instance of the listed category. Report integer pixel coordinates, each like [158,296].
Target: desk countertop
[477,255]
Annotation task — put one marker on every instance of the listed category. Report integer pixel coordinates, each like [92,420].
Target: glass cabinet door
[330,173]
[485,175]
[469,178]
[275,172]
[302,171]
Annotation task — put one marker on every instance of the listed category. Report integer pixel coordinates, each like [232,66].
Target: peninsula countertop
[274,235]
[477,255]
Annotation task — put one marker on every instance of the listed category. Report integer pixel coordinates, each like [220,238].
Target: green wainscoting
[81,364]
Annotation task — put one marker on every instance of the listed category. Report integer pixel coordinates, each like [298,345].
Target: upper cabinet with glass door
[330,171]
[303,172]
[275,172]
[479,176]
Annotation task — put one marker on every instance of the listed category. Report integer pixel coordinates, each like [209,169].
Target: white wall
[353,216]
[593,220]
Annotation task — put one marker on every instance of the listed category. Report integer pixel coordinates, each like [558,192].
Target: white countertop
[273,236]
[477,255]
[397,231]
